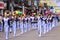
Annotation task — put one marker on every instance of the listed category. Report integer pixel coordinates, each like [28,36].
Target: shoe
[29,30]
[10,32]
[44,32]
[21,33]
[14,35]
[6,38]
[25,31]
[39,35]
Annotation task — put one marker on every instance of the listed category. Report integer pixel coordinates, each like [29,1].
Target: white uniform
[25,24]
[14,25]
[21,25]
[32,22]
[41,20]
[6,26]
[49,24]
[44,25]
[29,24]
[39,26]
[1,24]
[10,26]
[35,22]
[18,23]
[54,21]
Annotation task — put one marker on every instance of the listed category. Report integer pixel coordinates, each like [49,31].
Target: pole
[23,7]
[12,5]
[2,11]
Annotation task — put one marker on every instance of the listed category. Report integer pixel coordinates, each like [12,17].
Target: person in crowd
[35,21]
[49,23]
[54,20]
[21,23]
[1,23]
[39,26]
[25,23]
[29,22]
[45,24]
[17,21]
[32,21]
[6,26]
[14,24]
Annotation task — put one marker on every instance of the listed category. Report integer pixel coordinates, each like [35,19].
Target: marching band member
[41,16]
[39,26]
[1,23]
[54,21]
[35,22]
[25,23]
[32,21]
[21,23]
[49,23]
[6,26]
[10,21]
[45,24]
[29,23]
[17,20]
[14,24]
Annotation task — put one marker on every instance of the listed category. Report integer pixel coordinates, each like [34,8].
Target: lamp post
[12,5]
[8,5]
[23,6]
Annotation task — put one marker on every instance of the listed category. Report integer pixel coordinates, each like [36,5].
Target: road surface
[54,34]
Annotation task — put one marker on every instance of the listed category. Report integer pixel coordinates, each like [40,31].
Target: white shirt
[5,21]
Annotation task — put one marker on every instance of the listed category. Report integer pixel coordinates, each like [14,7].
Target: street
[54,34]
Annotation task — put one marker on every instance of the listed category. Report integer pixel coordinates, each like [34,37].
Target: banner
[1,5]
[54,3]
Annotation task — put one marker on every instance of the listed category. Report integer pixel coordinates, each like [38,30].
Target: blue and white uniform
[49,23]
[25,24]
[10,22]
[1,23]
[29,24]
[32,22]
[45,25]
[21,25]
[54,21]
[6,26]
[35,22]
[39,26]
[14,25]
[41,20]
[17,20]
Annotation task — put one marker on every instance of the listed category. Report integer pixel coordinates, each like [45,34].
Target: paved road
[32,35]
